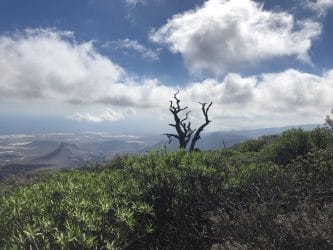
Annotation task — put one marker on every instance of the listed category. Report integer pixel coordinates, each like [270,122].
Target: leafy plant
[275,192]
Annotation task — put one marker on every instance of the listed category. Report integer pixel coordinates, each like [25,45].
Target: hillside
[274,192]
[65,155]
[34,151]
[55,151]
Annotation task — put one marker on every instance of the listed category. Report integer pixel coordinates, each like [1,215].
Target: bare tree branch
[186,116]
[170,137]
[183,126]
[179,125]
[196,136]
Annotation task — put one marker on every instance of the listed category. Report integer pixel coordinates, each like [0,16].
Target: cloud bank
[46,64]
[51,65]
[223,35]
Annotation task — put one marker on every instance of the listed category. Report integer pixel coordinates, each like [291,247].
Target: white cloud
[320,6]
[223,35]
[133,45]
[288,97]
[52,67]
[108,115]
[49,64]
[45,64]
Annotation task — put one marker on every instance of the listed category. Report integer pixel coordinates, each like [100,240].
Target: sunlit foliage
[273,192]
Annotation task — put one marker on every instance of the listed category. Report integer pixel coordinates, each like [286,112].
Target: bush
[321,138]
[290,144]
[182,188]
[279,196]
[157,198]
[256,145]
[75,210]
[262,226]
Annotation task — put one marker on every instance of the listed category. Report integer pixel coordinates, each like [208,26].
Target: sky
[113,65]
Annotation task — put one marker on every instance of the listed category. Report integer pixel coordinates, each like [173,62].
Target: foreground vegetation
[273,192]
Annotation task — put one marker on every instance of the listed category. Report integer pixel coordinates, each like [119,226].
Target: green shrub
[278,195]
[256,145]
[272,207]
[182,188]
[321,138]
[75,210]
[290,144]
[243,175]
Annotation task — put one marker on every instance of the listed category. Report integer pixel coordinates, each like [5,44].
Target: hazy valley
[24,152]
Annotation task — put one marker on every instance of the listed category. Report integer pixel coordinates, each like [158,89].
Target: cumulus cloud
[320,6]
[52,66]
[286,91]
[134,46]
[222,35]
[288,97]
[108,115]
[46,64]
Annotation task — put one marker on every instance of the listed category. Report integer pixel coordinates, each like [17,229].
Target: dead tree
[183,126]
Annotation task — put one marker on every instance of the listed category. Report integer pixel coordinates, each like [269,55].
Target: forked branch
[196,136]
[183,128]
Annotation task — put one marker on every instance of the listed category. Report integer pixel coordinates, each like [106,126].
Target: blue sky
[97,64]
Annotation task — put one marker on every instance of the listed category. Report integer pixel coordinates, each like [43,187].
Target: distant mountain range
[53,151]
[255,133]
[209,141]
